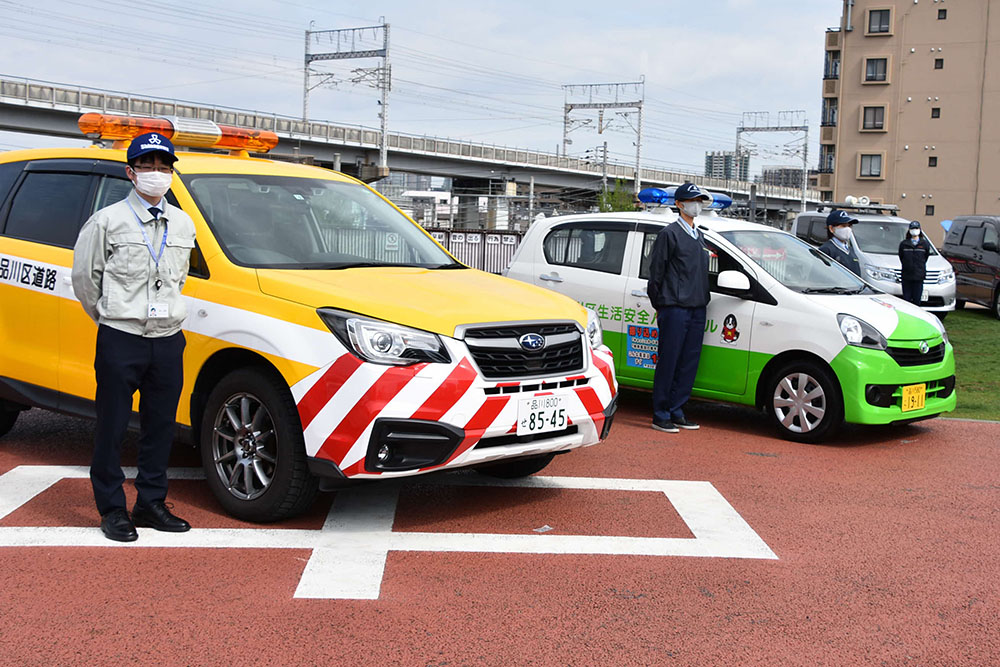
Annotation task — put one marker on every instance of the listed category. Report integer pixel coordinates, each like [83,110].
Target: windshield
[882,237]
[289,222]
[795,264]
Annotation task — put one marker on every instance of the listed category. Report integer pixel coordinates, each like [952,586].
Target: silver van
[876,240]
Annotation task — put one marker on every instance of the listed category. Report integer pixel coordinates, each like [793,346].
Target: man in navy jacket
[678,289]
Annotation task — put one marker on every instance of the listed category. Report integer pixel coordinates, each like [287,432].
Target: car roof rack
[858,208]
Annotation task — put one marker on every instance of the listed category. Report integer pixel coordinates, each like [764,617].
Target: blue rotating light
[665,197]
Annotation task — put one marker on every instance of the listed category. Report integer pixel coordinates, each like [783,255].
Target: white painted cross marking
[350,551]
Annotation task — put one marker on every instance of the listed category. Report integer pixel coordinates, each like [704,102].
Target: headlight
[946,276]
[881,273]
[595,332]
[383,342]
[860,333]
[940,326]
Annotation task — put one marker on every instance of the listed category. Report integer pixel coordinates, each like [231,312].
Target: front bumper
[940,296]
[403,421]
[872,381]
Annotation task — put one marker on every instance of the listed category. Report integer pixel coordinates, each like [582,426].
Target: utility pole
[350,43]
[616,91]
[788,121]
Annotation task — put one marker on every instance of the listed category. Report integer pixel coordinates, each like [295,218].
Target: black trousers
[912,290]
[680,335]
[126,363]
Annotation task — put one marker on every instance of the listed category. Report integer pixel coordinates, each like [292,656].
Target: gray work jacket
[115,274]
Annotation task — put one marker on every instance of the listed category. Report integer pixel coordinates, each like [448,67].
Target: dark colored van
[971,246]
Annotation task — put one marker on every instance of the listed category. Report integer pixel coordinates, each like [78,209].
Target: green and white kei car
[788,330]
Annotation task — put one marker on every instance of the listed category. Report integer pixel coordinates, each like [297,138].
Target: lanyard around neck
[149,244]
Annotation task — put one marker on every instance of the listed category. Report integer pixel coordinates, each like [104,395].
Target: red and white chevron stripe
[339,403]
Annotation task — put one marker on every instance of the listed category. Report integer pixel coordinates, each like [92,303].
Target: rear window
[593,249]
[49,208]
[8,174]
[973,237]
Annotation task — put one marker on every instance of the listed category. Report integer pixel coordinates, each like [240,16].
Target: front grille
[911,356]
[499,357]
[930,277]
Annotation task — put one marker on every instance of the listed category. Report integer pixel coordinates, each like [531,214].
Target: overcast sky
[487,72]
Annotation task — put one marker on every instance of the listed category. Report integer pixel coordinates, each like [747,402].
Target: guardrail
[47,94]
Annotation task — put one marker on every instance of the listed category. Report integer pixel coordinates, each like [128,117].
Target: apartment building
[728,165]
[911,94]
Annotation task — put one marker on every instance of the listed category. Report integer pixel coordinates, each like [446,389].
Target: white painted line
[350,551]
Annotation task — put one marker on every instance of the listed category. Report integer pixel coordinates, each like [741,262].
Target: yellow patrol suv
[328,336]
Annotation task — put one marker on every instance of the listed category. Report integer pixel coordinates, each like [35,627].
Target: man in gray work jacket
[129,265]
[679,291]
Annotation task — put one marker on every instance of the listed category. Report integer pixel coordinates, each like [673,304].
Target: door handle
[640,292]
[553,278]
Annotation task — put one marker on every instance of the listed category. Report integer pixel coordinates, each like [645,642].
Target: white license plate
[541,414]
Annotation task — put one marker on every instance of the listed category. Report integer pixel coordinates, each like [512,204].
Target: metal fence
[486,250]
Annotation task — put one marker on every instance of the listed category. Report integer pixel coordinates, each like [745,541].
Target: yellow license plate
[914,396]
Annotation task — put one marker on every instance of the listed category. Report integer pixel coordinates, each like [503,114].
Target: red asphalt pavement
[887,544]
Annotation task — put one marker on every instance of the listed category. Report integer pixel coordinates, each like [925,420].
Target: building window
[942,14]
[935,112]
[932,161]
[829,112]
[939,63]
[871,166]
[929,209]
[831,67]
[875,69]
[878,21]
[827,158]
[873,118]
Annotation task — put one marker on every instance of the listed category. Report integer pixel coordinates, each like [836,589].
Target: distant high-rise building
[910,98]
[724,164]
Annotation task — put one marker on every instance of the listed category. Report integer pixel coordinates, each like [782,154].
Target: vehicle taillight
[189,132]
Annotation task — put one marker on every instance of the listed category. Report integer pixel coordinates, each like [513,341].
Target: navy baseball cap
[690,191]
[838,217]
[914,224]
[151,142]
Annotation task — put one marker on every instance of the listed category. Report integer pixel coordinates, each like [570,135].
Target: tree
[620,198]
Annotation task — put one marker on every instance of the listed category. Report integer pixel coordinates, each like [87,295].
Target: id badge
[158,311]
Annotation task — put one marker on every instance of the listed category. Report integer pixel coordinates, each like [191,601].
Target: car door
[990,250]
[39,221]
[585,260]
[974,279]
[725,351]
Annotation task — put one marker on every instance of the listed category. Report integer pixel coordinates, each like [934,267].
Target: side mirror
[734,280]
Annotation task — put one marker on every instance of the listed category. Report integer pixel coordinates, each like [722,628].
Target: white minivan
[876,239]
[788,329]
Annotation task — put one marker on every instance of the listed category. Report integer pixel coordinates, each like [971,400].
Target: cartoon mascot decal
[729,332]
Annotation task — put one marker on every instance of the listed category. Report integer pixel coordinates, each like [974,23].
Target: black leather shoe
[118,527]
[158,517]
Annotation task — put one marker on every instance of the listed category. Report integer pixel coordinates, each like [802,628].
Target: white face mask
[153,183]
[692,208]
[914,233]
[842,233]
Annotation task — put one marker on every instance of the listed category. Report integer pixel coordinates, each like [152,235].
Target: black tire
[941,314]
[811,388]
[7,419]
[996,304]
[959,304]
[253,453]
[517,467]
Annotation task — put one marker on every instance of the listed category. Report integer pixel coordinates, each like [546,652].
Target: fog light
[383,453]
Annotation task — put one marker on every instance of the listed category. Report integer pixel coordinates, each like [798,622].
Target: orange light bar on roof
[189,132]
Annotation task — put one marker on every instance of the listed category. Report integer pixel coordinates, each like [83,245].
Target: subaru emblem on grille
[924,347]
[532,342]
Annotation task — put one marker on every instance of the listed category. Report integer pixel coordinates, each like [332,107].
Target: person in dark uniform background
[913,253]
[838,244]
[678,289]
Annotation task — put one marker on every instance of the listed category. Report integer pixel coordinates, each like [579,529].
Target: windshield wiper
[449,266]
